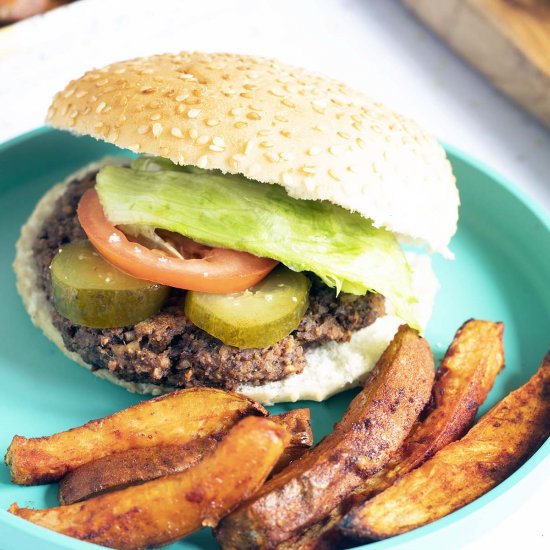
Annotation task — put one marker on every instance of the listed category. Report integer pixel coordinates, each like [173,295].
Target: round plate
[499,273]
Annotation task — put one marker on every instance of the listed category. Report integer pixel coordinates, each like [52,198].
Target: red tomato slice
[214,270]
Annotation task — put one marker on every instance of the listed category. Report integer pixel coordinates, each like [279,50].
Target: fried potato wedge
[120,470]
[462,382]
[464,470]
[171,419]
[298,424]
[160,511]
[125,468]
[373,427]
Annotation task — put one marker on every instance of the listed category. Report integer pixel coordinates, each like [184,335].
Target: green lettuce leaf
[344,249]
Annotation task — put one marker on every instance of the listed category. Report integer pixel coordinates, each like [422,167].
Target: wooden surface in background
[507,40]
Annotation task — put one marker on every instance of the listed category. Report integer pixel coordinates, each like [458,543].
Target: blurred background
[476,73]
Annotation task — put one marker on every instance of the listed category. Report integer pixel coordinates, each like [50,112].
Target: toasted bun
[330,368]
[276,124]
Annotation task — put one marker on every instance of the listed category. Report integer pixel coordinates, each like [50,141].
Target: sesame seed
[374,168]
[157,129]
[146,89]
[334,150]
[112,135]
[203,140]
[277,92]
[240,124]
[255,107]
[122,70]
[285,133]
[202,162]
[238,157]
[358,125]
[313,151]
[360,143]
[280,118]
[351,168]
[100,107]
[68,93]
[265,132]
[216,148]
[333,174]
[309,169]
[247,95]
[80,93]
[180,108]
[319,128]
[248,147]
[219,141]
[193,133]
[176,132]
[288,103]
[192,101]
[271,156]
[101,82]
[74,114]
[186,76]
[193,113]
[212,122]
[156,116]
[236,112]
[181,97]
[344,135]
[143,129]
[266,144]
[253,116]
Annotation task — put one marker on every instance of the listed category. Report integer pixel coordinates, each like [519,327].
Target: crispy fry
[168,508]
[373,427]
[134,466]
[463,380]
[297,422]
[171,419]
[120,470]
[464,470]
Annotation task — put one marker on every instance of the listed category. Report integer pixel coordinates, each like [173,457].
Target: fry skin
[168,508]
[464,470]
[373,427]
[133,466]
[462,382]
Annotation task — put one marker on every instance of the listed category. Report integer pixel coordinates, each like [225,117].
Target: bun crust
[273,123]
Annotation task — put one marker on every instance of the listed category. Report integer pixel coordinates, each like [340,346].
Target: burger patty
[168,350]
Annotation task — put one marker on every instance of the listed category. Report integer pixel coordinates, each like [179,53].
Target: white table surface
[374,45]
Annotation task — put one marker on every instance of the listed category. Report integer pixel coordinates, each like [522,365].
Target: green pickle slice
[90,291]
[257,317]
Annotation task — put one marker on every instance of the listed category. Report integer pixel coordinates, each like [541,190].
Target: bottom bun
[331,368]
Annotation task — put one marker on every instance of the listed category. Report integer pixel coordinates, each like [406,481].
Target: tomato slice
[214,270]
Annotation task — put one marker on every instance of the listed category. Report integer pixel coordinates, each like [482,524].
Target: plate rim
[420,535]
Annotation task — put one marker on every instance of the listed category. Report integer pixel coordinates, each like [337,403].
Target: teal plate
[501,272]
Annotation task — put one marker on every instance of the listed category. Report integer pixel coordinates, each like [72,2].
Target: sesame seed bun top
[273,123]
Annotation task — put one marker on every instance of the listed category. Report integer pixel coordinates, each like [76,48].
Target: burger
[251,237]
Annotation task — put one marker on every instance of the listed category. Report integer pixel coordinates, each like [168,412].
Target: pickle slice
[89,291]
[257,317]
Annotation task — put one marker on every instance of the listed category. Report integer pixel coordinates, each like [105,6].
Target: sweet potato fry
[133,466]
[165,509]
[462,382]
[374,426]
[171,419]
[464,470]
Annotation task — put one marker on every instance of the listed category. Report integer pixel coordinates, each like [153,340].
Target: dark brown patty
[168,350]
